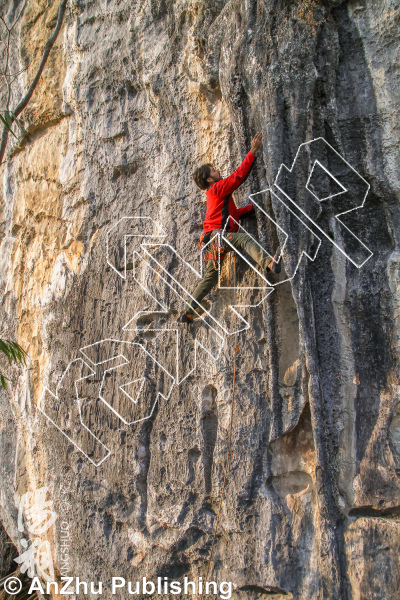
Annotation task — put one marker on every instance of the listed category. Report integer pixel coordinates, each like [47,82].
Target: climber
[220,207]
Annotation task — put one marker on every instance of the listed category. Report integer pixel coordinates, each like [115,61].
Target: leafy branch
[14,353]
[11,116]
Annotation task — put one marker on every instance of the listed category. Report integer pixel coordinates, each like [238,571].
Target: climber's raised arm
[231,183]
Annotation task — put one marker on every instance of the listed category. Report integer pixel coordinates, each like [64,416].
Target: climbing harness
[230,452]
[217,249]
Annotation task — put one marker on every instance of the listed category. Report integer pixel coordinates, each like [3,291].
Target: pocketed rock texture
[134,96]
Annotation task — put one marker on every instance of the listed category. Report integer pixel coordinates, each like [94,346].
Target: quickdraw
[217,249]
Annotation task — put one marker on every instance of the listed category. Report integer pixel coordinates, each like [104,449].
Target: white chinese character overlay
[38,515]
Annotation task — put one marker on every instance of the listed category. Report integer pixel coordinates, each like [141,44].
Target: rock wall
[134,96]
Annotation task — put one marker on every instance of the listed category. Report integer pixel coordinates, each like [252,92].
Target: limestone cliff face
[134,96]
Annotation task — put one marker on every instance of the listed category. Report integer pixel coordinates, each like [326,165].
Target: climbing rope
[230,450]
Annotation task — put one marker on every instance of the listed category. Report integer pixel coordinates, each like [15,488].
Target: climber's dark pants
[205,286]
[240,241]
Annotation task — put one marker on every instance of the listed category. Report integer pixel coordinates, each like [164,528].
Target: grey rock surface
[135,96]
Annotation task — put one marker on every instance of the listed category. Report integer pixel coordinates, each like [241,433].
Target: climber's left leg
[204,287]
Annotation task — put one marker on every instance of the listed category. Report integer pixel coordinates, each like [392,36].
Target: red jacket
[220,204]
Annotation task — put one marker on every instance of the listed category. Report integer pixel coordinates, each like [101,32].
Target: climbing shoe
[185,318]
[203,307]
[274,266]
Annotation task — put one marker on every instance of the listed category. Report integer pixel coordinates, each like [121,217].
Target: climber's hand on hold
[256,142]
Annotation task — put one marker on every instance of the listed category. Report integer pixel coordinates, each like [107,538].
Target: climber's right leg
[242,241]
[204,287]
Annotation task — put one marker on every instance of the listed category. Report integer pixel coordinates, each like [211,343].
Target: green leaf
[18,122]
[8,118]
[19,353]
[4,348]
[7,121]
[13,351]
